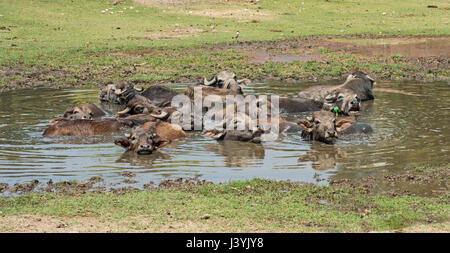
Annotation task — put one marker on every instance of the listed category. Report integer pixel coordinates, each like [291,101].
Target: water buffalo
[150,136]
[347,96]
[208,90]
[226,80]
[236,128]
[84,127]
[284,126]
[323,126]
[118,93]
[291,105]
[84,111]
[122,92]
[247,120]
[235,135]
[159,95]
[343,102]
[142,105]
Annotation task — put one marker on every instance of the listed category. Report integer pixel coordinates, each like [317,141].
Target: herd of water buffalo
[151,122]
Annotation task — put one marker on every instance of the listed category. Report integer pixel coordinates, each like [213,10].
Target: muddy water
[411,123]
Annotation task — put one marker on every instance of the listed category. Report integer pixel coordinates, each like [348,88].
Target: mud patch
[21,77]
[179,183]
[331,56]
[407,47]
[70,188]
[24,188]
[263,56]
[3,187]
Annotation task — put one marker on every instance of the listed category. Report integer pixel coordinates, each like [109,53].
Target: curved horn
[125,111]
[162,115]
[209,83]
[140,89]
[119,91]
[371,79]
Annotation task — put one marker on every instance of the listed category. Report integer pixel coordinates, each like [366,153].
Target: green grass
[73,33]
[63,26]
[247,206]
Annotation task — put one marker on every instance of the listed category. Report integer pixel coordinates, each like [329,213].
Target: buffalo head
[142,105]
[322,126]
[119,92]
[150,137]
[84,111]
[344,99]
[141,141]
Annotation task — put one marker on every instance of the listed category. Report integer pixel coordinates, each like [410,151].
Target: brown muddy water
[411,123]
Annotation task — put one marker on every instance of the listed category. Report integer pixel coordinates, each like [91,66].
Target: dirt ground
[50,224]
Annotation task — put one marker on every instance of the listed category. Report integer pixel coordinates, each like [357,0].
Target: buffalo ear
[341,125]
[306,124]
[123,142]
[160,142]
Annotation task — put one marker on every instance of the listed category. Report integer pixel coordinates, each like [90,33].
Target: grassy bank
[67,43]
[243,206]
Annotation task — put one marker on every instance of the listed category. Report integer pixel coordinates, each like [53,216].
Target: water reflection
[322,156]
[144,161]
[242,154]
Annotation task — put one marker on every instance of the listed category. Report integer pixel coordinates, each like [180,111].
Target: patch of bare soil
[425,228]
[413,47]
[138,224]
[21,77]
[173,2]
[50,224]
[262,56]
[169,3]
[220,9]
[244,13]
[174,34]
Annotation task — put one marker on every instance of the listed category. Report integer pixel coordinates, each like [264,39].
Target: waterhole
[411,124]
